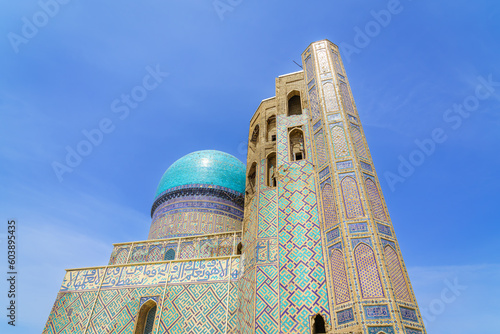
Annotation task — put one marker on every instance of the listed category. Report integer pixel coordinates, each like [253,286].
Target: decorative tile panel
[195,308]
[266,251]
[321,148]
[368,274]
[352,201]
[366,166]
[381,330]
[332,235]
[358,227]
[396,275]
[268,219]
[384,229]
[344,164]
[346,98]
[316,126]
[339,141]
[323,173]
[330,96]
[408,314]
[329,205]
[314,103]
[334,118]
[375,200]
[345,316]
[377,312]
[340,282]
[267,300]
[302,274]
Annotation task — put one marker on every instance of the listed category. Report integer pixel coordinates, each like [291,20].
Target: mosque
[298,240]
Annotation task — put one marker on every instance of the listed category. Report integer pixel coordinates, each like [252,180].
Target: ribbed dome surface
[208,167]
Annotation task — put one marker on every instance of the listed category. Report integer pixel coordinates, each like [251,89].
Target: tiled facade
[301,236]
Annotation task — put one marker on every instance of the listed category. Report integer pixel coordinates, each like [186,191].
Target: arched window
[170,255]
[271,129]
[294,105]
[146,318]
[297,147]
[271,170]
[251,178]
[239,249]
[255,135]
[318,324]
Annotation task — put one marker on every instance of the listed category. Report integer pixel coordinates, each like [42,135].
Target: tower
[320,252]
[298,242]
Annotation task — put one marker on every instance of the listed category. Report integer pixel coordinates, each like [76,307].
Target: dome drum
[201,193]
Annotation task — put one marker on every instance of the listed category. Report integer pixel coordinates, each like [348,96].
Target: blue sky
[409,75]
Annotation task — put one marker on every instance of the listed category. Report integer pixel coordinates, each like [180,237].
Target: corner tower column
[369,287]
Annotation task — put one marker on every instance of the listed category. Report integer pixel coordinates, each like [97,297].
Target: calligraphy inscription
[202,271]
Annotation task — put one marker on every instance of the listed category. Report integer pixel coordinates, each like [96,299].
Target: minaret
[320,252]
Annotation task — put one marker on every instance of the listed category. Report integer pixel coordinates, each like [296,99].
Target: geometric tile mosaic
[339,141]
[366,166]
[302,274]
[408,314]
[352,201]
[377,312]
[381,330]
[346,98]
[332,235]
[384,229]
[340,283]
[314,102]
[116,309]
[396,275]
[246,295]
[330,96]
[329,205]
[316,126]
[309,68]
[336,63]
[266,301]
[70,312]
[324,172]
[358,141]
[321,154]
[345,316]
[267,214]
[375,200]
[195,308]
[358,227]
[344,164]
[369,279]
[323,61]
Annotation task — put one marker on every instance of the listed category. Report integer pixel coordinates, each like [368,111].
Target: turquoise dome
[205,167]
